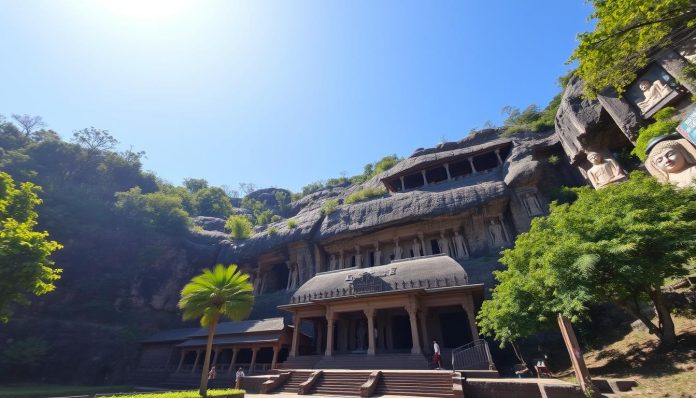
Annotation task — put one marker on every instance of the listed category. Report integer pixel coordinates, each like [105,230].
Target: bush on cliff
[662,125]
[239,227]
[365,194]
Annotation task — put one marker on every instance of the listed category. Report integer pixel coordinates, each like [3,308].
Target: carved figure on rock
[673,161]
[460,246]
[531,202]
[496,232]
[358,257]
[416,248]
[398,251]
[443,243]
[332,262]
[604,171]
[341,260]
[377,256]
[653,94]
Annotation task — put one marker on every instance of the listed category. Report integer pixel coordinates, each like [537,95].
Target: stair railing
[473,356]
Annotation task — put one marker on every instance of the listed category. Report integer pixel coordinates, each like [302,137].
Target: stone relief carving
[604,171]
[358,257]
[497,235]
[531,204]
[460,246]
[672,161]
[653,93]
[416,248]
[444,245]
[332,262]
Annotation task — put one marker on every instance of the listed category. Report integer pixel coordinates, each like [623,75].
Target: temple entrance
[455,329]
[401,333]
[276,278]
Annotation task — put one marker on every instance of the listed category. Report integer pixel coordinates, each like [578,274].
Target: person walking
[238,378]
[212,374]
[436,355]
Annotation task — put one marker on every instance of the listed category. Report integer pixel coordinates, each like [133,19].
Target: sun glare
[147,9]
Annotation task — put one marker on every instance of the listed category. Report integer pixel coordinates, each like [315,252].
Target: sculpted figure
[358,257]
[673,161]
[416,248]
[604,171]
[532,203]
[341,261]
[378,257]
[460,245]
[496,232]
[332,262]
[398,251]
[653,93]
[443,242]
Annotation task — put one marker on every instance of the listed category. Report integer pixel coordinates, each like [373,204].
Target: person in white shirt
[436,354]
[238,377]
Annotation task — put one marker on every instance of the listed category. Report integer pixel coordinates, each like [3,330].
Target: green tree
[626,34]
[157,210]
[195,184]
[618,244]
[25,264]
[213,201]
[224,291]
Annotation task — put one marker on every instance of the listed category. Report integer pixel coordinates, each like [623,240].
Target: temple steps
[426,384]
[380,361]
[340,383]
[292,385]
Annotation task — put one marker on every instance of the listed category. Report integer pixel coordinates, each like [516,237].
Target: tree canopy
[223,291]
[26,267]
[618,244]
[626,34]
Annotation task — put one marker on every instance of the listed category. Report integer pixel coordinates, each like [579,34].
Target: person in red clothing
[436,355]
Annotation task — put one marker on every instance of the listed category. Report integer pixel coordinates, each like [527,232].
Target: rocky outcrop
[209,223]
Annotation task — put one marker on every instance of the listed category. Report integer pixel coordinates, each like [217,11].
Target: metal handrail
[474,355]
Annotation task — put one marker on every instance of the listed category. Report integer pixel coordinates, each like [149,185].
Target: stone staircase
[292,385]
[380,361]
[436,384]
[340,383]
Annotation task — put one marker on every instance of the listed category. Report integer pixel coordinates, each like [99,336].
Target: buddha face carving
[669,160]
[594,158]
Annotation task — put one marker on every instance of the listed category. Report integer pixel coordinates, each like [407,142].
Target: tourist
[436,355]
[212,373]
[238,378]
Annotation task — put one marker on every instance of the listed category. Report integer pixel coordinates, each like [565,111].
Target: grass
[365,194]
[43,390]
[659,372]
[180,394]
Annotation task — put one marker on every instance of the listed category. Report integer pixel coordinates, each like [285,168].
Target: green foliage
[662,125]
[688,73]
[272,231]
[365,194]
[23,355]
[283,200]
[292,224]
[156,210]
[531,118]
[51,390]
[626,33]
[553,159]
[223,291]
[261,215]
[276,218]
[329,207]
[617,244]
[370,170]
[95,140]
[239,227]
[195,184]
[213,202]
[27,268]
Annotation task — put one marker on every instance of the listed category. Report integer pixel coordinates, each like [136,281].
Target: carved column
[254,352]
[377,256]
[403,186]
[341,260]
[449,176]
[370,314]
[426,250]
[358,257]
[471,163]
[274,362]
[329,333]
[471,317]
[181,361]
[425,179]
[423,318]
[415,348]
[288,286]
[233,362]
[195,363]
[497,154]
[295,335]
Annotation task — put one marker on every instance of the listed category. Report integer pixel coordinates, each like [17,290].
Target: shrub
[239,227]
[292,224]
[663,125]
[272,231]
[276,218]
[329,207]
[553,159]
[365,194]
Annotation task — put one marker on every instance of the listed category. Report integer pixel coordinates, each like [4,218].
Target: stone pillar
[449,176]
[412,315]
[274,362]
[341,260]
[233,362]
[497,154]
[288,286]
[403,186]
[471,316]
[181,361]
[370,314]
[425,179]
[426,248]
[358,257]
[195,363]
[215,357]
[295,335]
[254,351]
[423,318]
[318,260]
[377,255]
[329,333]
[471,163]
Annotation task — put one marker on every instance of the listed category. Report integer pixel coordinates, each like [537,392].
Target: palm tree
[212,294]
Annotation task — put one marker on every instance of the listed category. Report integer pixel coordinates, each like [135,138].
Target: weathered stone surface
[521,168]
[576,118]
[209,223]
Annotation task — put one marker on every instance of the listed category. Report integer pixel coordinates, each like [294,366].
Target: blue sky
[280,93]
